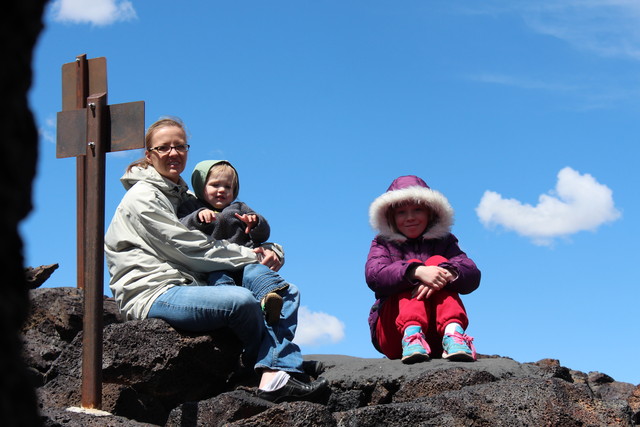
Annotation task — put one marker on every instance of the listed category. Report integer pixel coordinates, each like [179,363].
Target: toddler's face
[411,219]
[218,191]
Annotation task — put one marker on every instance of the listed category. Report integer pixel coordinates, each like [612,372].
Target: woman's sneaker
[414,347]
[458,346]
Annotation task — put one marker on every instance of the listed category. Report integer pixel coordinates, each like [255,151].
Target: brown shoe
[272,307]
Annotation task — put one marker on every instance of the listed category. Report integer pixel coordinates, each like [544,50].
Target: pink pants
[400,310]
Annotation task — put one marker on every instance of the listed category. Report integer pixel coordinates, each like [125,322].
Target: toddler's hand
[249,219]
[206,216]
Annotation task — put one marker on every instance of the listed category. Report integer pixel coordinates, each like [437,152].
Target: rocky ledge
[156,375]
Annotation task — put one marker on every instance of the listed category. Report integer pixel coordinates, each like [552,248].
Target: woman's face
[171,164]
[411,219]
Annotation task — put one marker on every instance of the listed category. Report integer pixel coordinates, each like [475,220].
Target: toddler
[215,212]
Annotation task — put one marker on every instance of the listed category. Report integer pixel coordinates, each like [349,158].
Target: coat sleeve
[385,276]
[192,222]
[188,214]
[261,232]
[468,273]
[149,220]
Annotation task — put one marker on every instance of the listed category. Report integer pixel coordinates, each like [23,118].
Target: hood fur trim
[439,227]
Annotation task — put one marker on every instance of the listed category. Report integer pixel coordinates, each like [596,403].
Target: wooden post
[88,133]
[82,91]
[79,79]
[94,263]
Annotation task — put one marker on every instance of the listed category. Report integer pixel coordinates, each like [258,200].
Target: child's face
[411,219]
[218,191]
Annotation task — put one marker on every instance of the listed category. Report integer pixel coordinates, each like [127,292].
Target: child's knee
[435,260]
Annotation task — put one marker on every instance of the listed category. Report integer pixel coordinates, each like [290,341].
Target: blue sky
[524,114]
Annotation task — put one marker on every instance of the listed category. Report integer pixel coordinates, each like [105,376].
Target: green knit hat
[200,173]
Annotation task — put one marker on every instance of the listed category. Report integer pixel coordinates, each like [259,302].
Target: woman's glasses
[166,149]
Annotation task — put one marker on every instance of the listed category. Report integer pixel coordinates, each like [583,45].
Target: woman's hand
[432,279]
[269,258]
[249,220]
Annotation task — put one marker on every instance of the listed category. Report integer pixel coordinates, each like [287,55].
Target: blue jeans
[258,278]
[205,308]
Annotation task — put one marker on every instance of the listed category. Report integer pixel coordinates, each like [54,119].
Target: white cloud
[48,131]
[316,328]
[605,27]
[96,12]
[578,203]
[521,82]
[47,135]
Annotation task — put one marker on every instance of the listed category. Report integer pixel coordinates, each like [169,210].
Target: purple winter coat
[387,266]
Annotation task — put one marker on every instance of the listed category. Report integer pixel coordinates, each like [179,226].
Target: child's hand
[206,216]
[433,279]
[422,292]
[250,220]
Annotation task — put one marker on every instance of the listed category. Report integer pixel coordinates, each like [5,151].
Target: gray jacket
[148,250]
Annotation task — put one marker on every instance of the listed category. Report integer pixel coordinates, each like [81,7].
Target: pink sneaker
[458,347]
[414,347]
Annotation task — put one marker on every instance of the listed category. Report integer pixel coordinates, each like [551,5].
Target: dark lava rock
[154,374]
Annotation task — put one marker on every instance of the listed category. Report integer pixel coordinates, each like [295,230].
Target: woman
[158,269]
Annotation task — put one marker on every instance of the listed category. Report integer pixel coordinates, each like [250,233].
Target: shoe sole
[316,396]
[460,356]
[272,308]
[415,358]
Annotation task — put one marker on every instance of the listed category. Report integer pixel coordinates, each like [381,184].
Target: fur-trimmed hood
[411,188]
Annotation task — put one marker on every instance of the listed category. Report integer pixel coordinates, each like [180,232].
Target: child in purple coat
[417,271]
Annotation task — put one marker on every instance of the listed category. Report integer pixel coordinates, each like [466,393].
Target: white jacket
[149,251]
